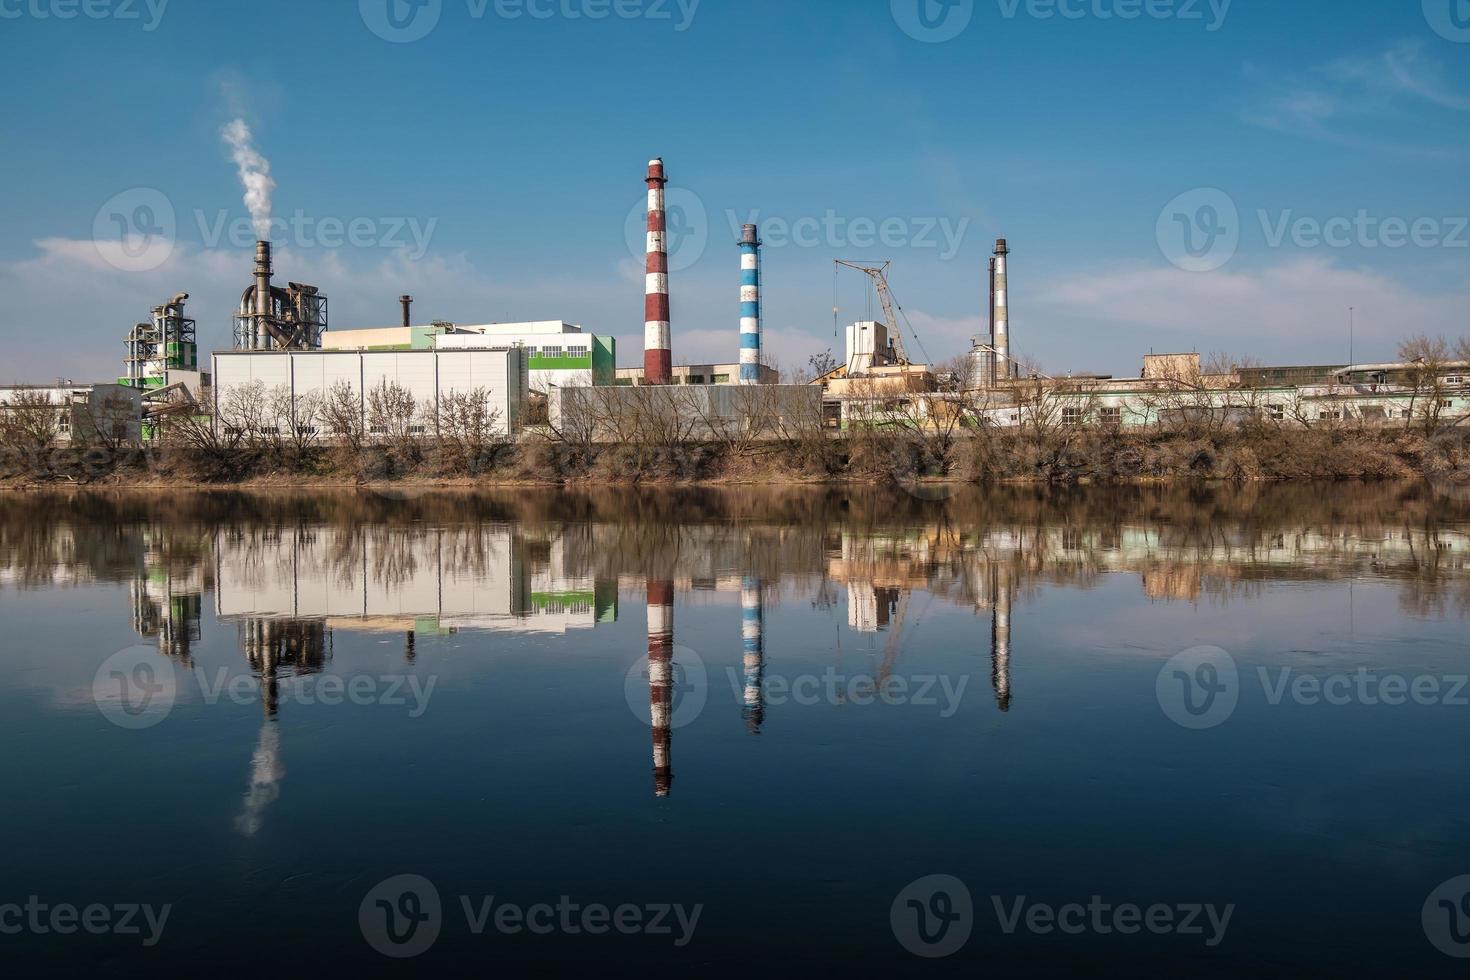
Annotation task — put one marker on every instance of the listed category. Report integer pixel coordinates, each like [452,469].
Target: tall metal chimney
[1000,313]
[658,359]
[750,305]
[407,303]
[263,272]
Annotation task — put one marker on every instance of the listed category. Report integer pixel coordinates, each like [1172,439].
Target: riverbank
[875,457]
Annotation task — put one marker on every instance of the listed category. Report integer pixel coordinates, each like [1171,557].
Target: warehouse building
[428,375]
[561,355]
[80,413]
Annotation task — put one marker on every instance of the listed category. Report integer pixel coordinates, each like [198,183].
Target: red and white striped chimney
[658,358]
[661,681]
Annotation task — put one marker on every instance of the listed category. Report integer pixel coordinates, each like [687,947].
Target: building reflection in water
[752,637]
[289,588]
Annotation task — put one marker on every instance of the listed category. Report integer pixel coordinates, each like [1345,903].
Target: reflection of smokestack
[1000,313]
[263,279]
[407,302]
[661,681]
[1000,636]
[752,615]
[658,359]
[750,305]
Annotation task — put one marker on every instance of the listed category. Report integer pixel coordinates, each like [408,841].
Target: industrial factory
[283,347]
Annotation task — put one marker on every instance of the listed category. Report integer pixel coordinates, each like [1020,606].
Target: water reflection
[290,573]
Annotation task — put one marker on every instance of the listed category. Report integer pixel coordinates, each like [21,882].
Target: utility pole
[1352,332]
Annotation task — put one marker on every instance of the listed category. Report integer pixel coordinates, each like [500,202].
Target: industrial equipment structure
[271,318]
[878,348]
[162,344]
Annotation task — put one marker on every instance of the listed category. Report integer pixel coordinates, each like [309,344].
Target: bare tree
[342,414]
[1428,359]
[470,432]
[30,427]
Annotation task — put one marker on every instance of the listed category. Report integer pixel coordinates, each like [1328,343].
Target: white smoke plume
[255,175]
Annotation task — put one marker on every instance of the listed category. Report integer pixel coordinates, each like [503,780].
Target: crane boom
[879,275]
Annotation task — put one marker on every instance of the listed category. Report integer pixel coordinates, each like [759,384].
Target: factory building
[82,413]
[559,354]
[428,375]
[701,374]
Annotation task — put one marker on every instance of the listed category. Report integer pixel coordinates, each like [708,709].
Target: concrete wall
[427,374]
[704,409]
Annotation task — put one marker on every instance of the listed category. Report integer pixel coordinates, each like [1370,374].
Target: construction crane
[879,275]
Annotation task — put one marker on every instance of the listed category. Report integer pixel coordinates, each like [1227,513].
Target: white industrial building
[429,375]
[114,411]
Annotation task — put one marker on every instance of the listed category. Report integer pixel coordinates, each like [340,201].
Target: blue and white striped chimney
[750,306]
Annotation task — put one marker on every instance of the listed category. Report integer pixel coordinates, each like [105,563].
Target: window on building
[418,430]
[1071,416]
[578,351]
[1277,412]
[696,379]
[1405,414]
[722,379]
[622,382]
[1446,403]
[379,430]
[1112,415]
[1329,415]
[551,352]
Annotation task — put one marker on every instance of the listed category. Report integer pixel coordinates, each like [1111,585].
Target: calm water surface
[748,727]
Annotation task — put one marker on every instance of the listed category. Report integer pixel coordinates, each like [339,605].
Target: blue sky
[492,165]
